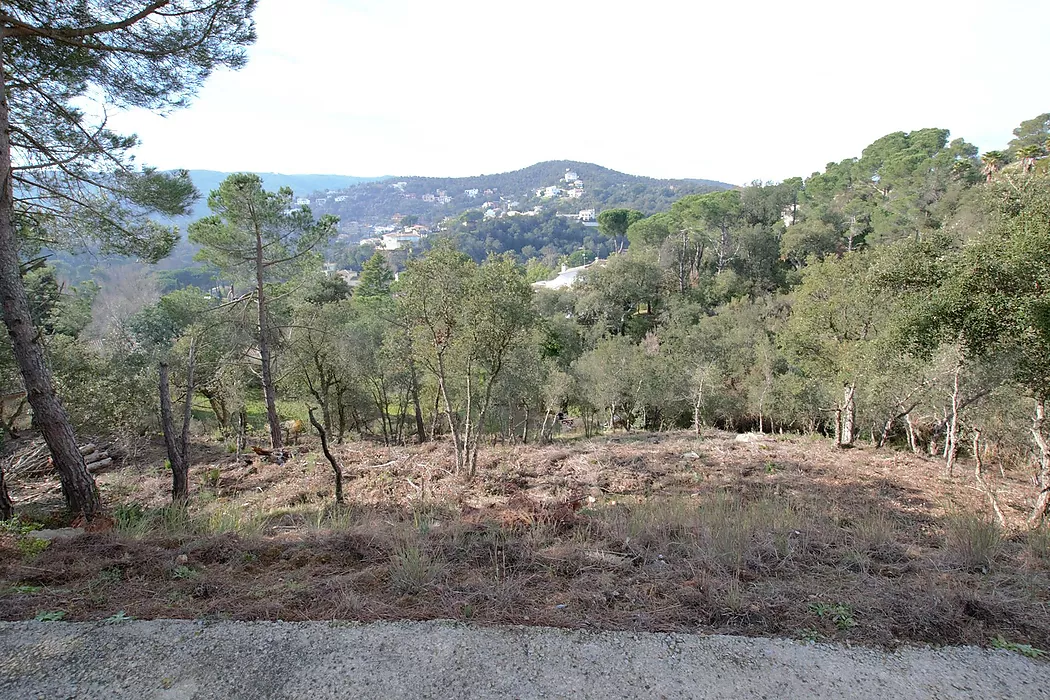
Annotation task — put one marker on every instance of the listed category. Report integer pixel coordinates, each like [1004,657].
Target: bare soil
[753,535]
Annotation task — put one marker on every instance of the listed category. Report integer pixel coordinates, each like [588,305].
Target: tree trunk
[219,408]
[435,415]
[269,395]
[457,440]
[421,428]
[951,447]
[49,415]
[723,249]
[546,434]
[242,430]
[1042,501]
[978,468]
[179,469]
[913,443]
[331,459]
[886,428]
[187,406]
[848,432]
[340,412]
[7,508]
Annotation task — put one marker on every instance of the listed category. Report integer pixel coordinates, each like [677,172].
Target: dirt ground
[755,535]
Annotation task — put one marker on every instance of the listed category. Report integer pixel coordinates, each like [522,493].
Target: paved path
[229,660]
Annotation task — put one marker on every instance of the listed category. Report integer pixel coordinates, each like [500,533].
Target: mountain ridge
[545,184]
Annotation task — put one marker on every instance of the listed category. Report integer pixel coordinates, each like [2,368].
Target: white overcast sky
[729,90]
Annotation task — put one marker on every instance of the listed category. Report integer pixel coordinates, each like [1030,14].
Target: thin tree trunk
[1042,501]
[886,428]
[951,446]
[78,487]
[525,431]
[179,470]
[978,467]
[457,441]
[242,430]
[547,434]
[7,508]
[187,406]
[849,415]
[435,416]
[269,394]
[328,455]
[913,443]
[421,428]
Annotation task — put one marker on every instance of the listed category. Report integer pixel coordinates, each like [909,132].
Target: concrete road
[229,660]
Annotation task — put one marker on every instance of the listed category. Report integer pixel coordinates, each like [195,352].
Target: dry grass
[770,536]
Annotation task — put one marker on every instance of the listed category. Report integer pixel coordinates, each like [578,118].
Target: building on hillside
[586,215]
[341,198]
[571,176]
[472,193]
[350,277]
[429,198]
[574,194]
[491,213]
[403,239]
[443,199]
[566,278]
[303,202]
[552,191]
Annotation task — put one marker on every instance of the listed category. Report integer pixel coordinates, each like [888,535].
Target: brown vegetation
[718,533]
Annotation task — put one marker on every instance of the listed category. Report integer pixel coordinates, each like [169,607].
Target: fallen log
[106,461]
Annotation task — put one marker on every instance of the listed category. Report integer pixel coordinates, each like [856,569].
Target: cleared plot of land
[182,659]
[749,535]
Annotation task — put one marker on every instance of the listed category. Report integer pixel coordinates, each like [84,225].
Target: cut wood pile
[33,460]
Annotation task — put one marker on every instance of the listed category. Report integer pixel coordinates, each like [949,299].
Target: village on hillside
[404,232]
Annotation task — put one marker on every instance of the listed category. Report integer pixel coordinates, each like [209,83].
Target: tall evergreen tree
[65,177]
[259,235]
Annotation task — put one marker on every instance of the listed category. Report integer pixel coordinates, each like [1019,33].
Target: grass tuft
[412,569]
[972,541]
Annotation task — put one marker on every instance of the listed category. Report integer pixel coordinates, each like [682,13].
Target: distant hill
[434,198]
[208,180]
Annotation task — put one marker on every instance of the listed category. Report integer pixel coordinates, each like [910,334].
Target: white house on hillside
[571,176]
[393,241]
[565,279]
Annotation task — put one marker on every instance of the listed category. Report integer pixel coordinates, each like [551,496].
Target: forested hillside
[896,297]
[434,198]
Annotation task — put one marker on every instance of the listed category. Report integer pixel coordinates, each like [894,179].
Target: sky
[734,91]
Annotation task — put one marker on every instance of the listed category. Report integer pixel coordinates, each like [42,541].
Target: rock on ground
[190,659]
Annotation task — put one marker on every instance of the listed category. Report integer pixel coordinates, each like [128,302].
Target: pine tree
[64,178]
[260,235]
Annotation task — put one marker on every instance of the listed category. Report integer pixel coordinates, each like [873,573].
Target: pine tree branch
[16,29]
